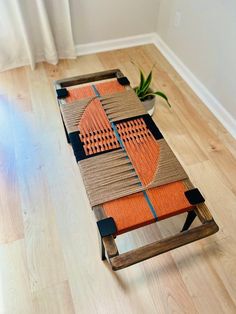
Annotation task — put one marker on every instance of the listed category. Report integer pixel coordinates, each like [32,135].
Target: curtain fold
[34,31]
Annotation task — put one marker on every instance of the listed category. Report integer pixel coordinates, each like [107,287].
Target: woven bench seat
[133,211]
[132,177]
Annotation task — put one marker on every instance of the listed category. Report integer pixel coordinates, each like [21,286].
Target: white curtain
[33,31]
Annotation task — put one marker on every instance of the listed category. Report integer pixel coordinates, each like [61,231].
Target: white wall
[205,40]
[98,20]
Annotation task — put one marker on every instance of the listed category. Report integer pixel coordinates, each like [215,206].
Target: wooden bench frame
[107,244]
[118,261]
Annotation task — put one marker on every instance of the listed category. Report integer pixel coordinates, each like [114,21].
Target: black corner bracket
[123,80]
[62,93]
[152,127]
[194,197]
[107,227]
[149,123]
[77,146]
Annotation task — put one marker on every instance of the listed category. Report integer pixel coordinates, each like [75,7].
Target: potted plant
[146,94]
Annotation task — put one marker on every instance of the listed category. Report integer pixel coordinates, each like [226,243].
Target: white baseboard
[203,93]
[100,46]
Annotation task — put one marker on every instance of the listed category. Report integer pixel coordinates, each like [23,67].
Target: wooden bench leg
[66,133]
[107,244]
[119,261]
[189,220]
[102,249]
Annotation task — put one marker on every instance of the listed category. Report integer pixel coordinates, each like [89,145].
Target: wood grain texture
[15,284]
[86,78]
[57,242]
[11,222]
[108,242]
[54,300]
[153,249]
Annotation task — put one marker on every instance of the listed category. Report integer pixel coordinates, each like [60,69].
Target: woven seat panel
[142,148]
[122,105]
[89,118]
[103,88]
[126,164]
[98,141]
[79,93]
[129,212]
[153,160]
[132,212]
[110,87]
[109,176]
[95,130]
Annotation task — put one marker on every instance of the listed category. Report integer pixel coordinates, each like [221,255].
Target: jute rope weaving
[168,169]
[122,105]
[109,176]
[130,159]
[73,113]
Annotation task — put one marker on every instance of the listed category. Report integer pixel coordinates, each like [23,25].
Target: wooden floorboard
[49,252]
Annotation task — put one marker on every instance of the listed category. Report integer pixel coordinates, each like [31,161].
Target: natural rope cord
[131,159]
[122,105]
[109,176]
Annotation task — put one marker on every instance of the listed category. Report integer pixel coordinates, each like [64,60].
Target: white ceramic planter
[149,105]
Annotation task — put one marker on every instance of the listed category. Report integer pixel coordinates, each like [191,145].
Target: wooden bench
[131,175]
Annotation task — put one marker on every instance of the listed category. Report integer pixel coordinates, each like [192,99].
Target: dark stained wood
[99,212]
[140,254]
[110,246]
[108,242]
[201,210]
[76,80]
[102,249]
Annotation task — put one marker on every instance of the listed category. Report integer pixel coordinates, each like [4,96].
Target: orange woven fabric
[78,93]
[132,212]
[94,118]
[169,199]
[110,87]
[142,148]
[103,88]
[95,130]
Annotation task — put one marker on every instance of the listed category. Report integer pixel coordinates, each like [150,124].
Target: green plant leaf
[142,81]
[158,93]
[146,84]
[143,90]
[142,77]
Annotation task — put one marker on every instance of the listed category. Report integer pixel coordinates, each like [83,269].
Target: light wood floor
[49,257]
